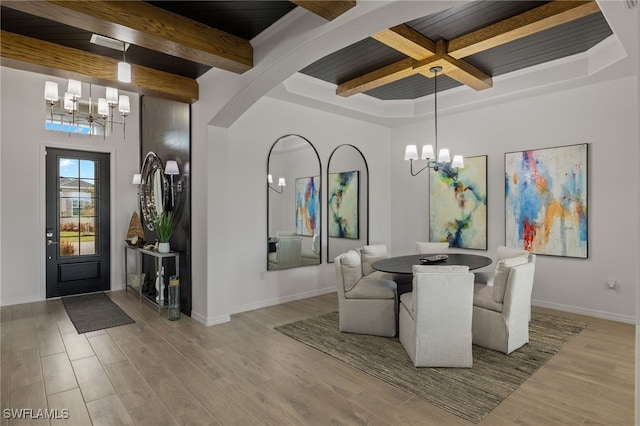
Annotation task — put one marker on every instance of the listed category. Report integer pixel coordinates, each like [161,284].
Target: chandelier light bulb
[123,105]
[443,156]
[103,107]
[427,152]
[458,161]
[74,89]
[411,152]
[51,91]
[69,104]
[112,96]
[124,72]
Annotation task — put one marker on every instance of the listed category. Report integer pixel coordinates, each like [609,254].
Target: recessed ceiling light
[109,42]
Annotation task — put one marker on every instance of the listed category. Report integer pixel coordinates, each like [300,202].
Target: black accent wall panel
[166,130]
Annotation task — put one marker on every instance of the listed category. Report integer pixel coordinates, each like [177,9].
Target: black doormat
[93,312]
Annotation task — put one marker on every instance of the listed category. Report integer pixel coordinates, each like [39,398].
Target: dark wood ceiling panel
[412,87]
[555,43]
[352,61]
[457,21]
[245,19]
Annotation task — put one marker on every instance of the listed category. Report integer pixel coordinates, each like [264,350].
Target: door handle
[49,242]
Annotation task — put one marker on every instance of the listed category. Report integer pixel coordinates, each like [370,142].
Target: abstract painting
[307,205]
[546,200]
[458,204]
[343,204]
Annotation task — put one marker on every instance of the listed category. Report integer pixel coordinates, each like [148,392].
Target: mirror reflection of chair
[311,256]
[435,319]
[431,248]
[288,253]
[501,312]
[366,305]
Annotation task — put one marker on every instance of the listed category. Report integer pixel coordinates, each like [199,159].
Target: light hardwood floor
[159,372]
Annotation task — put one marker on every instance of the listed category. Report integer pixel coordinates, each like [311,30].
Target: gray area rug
[468,393]
[93,312]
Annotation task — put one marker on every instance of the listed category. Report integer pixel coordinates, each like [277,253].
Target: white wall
[237,247]
[605,116]
[23,138]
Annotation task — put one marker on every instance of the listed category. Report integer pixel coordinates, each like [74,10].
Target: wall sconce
[171,169]
[137,180]
[281,184]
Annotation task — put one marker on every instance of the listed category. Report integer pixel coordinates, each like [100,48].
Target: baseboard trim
[280,300]
[207,322]
[583,311]
[20,300]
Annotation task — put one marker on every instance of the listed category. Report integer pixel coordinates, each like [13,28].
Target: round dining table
[404,264]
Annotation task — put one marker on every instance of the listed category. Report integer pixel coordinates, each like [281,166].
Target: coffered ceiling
[175,42]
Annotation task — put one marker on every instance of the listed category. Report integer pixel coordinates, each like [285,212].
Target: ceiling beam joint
[328,10]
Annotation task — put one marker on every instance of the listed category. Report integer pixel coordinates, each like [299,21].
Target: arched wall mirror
[347,201]
[154,189]
[293,204]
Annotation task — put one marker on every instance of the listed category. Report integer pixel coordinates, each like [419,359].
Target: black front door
[77,232]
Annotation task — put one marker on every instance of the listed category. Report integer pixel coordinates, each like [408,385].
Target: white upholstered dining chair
[502,253]
[435,319]
[501,312]
[366,305]
[374,252]
[431,248]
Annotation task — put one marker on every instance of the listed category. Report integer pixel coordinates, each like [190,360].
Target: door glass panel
[77,207]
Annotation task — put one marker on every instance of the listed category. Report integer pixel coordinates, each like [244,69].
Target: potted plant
[164,226]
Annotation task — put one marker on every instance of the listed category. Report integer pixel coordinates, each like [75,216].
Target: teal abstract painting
[546,200]
[343,204]
[307,205]
[458,204]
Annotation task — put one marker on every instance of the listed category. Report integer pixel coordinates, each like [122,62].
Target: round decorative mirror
[347,201]
[154,190]
[293,204]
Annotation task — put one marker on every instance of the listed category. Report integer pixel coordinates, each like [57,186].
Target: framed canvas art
[458,204]
[546,200]
[307,205]
[343,204]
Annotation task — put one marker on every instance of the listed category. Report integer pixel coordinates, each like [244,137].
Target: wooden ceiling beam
[328,10]
[539,19]
[35,55]
[406,40]
[144,25]
[465,73]
[377,78]
[457,69]
[448,55]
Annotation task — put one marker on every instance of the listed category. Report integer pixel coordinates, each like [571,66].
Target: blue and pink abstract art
[458,204]
[546,200]
[343,204]
[308,205]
